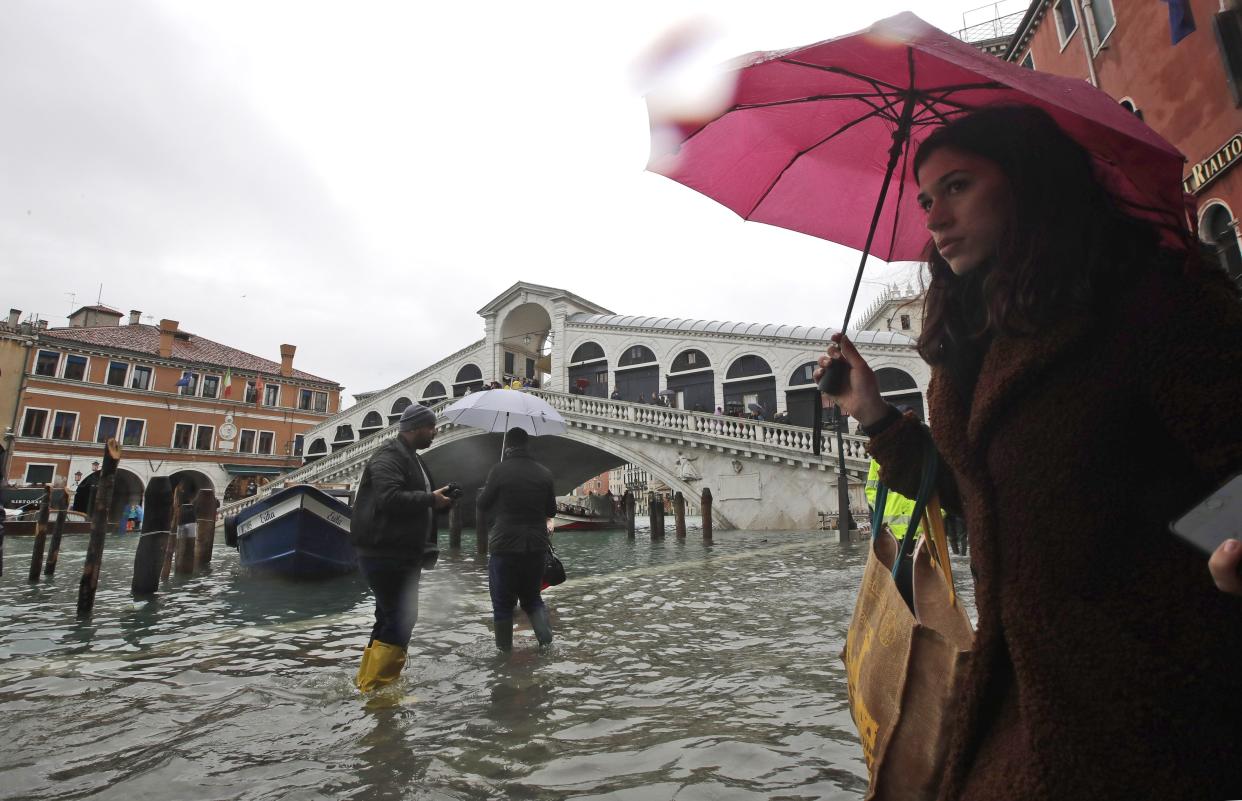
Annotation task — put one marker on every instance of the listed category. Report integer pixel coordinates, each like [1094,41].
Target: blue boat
[300,532]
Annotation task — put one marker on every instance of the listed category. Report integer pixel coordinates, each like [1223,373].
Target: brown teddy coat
[1106,663]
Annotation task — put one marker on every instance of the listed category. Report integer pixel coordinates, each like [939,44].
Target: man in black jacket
[519,498]
[393,529]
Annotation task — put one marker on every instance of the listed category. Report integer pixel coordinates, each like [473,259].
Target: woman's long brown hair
[1068,245]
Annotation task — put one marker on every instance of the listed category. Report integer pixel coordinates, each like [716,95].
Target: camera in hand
[453,490]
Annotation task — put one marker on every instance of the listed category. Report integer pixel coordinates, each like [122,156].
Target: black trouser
[514,577]
[395,585]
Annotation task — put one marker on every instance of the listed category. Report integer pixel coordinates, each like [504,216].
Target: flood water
[679,671]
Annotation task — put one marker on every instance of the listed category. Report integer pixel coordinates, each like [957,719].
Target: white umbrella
[503,409]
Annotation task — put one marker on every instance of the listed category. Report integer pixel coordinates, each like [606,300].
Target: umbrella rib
[901,193]
[802,153]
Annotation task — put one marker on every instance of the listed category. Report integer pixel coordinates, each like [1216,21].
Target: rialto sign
[1214,165]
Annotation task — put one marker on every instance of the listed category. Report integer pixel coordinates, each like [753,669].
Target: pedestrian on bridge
[519,497]
[1105,662]
[393,529]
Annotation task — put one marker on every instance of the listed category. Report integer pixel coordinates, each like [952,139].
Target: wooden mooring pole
[627,506]
[655,515]
[455,527]
[170,544]
[480,525]
[705,509]
[205,514]
[152,544]
[679,515]
[40,536]
[60,502]
[99,528]
[187,535]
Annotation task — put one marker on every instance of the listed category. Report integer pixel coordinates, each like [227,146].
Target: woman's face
[968,202]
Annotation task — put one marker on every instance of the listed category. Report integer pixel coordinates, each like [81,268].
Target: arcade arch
[523,342]
[801,396]
[900,389]
[749,380]
[344,437]
[398,406]
[317,450]
[692,378]
[371,423]
[638,374]
[434,393]
[588,370]
[1219,229]
[469,378]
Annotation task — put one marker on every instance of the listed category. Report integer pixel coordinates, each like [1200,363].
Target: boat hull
[299,532]
[564,522]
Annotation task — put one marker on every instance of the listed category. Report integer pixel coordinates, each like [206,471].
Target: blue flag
[185,380]
[1181,21]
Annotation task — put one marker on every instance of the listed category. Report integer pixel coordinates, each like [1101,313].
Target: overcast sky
[359,178]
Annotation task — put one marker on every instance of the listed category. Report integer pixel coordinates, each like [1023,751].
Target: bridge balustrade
[734,432]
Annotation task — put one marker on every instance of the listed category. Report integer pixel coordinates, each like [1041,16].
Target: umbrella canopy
[815,135]
[500,411]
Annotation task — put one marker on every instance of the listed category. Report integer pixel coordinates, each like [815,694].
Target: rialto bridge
[601,370]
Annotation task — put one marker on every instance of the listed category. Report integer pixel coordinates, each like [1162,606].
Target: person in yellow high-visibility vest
[897,509]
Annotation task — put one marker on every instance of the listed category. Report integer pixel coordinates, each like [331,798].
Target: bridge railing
[734,429]
[735,432]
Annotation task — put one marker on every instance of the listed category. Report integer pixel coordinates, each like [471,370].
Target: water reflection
[679,671]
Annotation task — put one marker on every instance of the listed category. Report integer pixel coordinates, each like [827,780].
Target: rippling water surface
[679,671]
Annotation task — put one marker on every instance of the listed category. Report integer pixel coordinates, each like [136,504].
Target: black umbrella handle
[835,376]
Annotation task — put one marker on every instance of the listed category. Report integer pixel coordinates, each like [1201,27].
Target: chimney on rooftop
[135,317]
[42,325]
[167,329]
[15,317]
[286,359]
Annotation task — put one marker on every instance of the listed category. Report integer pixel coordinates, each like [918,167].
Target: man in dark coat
[519,498]
[393,529]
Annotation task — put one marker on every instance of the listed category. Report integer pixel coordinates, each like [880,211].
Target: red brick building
[180,405]
[1190,92]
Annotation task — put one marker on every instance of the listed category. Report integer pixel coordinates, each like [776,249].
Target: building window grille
[1067,22]
[117,372]
[1105,19]
[63,425]
[40,473]
[133,431]
[108,428]
[46,363]
[34,423]
[75,368]
[141,379]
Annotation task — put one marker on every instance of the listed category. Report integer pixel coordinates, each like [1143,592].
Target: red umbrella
[815,137]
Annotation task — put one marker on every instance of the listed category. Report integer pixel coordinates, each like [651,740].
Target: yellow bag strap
[934,537]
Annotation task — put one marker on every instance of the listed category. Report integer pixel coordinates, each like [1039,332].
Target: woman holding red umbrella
[1082,396]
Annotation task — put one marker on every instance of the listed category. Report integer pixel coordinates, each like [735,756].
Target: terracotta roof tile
[187,347]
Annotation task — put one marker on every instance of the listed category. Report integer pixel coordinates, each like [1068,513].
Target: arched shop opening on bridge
[191,481]
[692,381]
[371,423]
[801,396]
[469,379]
[899,388]
[434,393]
[317,450]
[398,406]
[344,437]
[1220,231]
[638,374]
[749,381]
[588,370]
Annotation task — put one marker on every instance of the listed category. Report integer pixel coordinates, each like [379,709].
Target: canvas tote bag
[903,665]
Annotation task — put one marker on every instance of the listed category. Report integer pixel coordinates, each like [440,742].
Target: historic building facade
[180,405]
[1189,91]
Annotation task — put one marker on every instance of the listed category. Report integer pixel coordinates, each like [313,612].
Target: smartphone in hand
[1215,519]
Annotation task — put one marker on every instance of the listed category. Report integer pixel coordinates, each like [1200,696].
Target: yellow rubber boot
[381,664]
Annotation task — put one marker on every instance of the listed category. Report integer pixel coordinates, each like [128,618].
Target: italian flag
[228,382]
